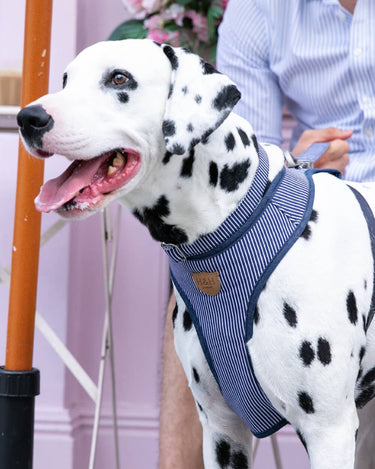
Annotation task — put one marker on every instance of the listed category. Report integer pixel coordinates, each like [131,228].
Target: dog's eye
[119,79]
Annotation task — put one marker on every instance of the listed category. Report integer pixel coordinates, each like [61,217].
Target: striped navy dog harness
[221,275]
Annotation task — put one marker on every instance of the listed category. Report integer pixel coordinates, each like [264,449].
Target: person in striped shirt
[316,58]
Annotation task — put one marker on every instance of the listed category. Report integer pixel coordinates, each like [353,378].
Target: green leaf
[183,2]
[132,29]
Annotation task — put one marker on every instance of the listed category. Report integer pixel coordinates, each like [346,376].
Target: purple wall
[71,297]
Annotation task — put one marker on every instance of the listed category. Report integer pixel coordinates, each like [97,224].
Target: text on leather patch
[207,282]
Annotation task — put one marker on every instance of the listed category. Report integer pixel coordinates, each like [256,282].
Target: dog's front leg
[227,441]
[226,444]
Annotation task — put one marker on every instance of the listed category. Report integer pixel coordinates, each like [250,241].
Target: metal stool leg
[109,236]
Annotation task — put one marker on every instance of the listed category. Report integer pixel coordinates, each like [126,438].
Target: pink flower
[200,27]
[142,8]
[161,35]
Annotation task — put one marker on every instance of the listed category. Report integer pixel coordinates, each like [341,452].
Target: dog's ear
[199,100]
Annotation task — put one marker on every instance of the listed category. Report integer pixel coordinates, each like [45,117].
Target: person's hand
[336,156]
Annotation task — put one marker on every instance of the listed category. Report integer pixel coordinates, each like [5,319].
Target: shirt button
[357,52]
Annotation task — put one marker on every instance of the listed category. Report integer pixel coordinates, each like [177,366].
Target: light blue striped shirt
[312,56]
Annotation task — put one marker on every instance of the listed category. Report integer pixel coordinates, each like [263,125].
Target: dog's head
[124,104]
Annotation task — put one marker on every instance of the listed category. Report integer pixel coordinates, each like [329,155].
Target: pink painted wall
[71,298]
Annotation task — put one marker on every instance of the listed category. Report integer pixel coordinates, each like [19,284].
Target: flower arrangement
[187,23]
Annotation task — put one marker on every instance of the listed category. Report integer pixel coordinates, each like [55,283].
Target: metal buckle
[293,162]
[175,246]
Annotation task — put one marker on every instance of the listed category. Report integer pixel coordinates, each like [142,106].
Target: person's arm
[180,440]
[243,54]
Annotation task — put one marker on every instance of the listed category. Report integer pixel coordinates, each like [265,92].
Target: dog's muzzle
[34,122]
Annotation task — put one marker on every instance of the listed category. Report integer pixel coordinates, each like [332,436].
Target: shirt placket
[362,57]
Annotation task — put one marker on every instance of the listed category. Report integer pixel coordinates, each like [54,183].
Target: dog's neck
[185,197]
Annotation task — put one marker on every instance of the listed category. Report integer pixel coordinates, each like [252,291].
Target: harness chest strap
[240,255]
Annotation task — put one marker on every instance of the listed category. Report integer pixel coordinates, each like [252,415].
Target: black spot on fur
[187,322]
[239,460]
[194,142]
[256,315]
[167,157]
[65,80]
[255,142]
[365,284]
[178,149]
[174,315]
[314,216]
[206,135]
[172,57]
[138,215]
[123,97]
[185,90]
[302,439]
[222,453]
[351,305]
[290,315]
[187,165]
[199,406]
[190,127]
[170,91]
[198,98]
[364,397]
[159,230]
[208,69]
[244,137]
[226,98]
[214,173]
[306,352]
[368,379]
[362,354]
[306,233]
[230,141]
[306,403]
[196,375]
[169,128]
[232,177]
[324,351]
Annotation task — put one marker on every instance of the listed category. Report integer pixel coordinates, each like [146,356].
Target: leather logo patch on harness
[207,282]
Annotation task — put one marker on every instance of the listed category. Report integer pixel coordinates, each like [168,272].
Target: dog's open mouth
[86,183]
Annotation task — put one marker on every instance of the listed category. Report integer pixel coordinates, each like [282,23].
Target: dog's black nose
[34,122]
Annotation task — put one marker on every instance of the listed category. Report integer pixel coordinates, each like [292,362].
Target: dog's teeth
[118,160]
[111,170]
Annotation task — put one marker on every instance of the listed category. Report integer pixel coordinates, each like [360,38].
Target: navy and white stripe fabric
[244,250]
[312,56]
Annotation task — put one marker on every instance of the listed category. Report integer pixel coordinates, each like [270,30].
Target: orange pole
[26,235]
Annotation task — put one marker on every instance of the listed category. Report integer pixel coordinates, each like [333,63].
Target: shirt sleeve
[244,55]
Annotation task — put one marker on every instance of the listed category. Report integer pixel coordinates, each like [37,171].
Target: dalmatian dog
[152,126]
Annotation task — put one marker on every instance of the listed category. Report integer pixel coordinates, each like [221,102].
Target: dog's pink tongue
[58,191]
